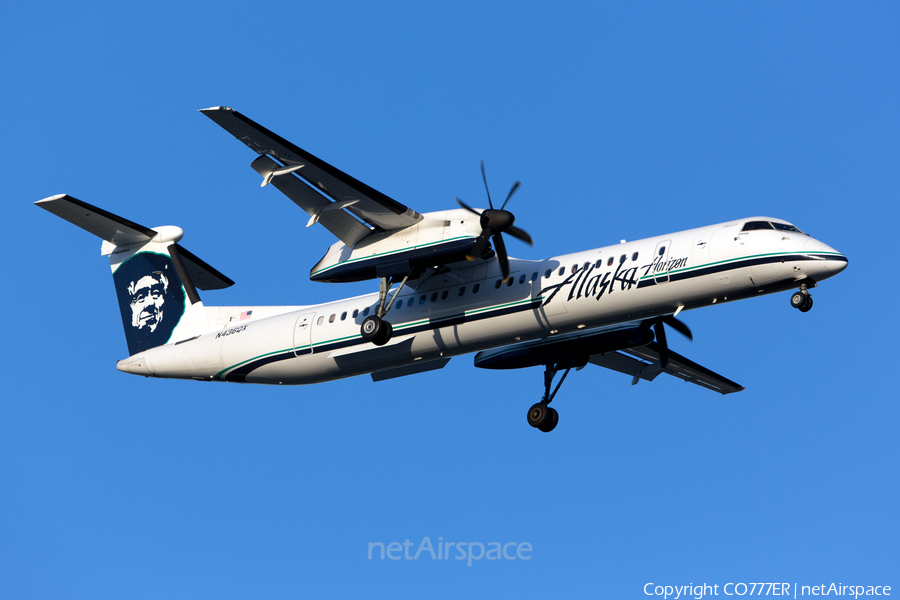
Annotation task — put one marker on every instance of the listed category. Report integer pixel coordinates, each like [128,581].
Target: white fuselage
[471,309]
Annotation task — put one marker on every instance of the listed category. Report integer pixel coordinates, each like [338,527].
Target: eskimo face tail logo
[148,298]
[151,300]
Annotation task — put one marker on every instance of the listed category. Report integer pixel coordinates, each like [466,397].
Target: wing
[643,363]
[348,193]
[625,347]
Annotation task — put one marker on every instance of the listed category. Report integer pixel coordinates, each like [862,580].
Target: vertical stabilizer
[156,280]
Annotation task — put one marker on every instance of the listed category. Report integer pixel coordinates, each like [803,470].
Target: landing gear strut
[374,328]
[541,415]
[801,300]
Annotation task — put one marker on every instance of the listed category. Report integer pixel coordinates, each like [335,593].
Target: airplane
[447,284]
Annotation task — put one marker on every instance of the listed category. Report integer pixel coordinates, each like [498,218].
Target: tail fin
[156,279]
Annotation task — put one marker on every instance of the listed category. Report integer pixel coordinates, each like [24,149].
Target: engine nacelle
[441,238]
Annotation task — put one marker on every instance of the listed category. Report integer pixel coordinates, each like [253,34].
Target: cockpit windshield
[757,225]
[786,227]
[754,225]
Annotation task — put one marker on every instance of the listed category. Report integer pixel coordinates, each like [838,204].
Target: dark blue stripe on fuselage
[739,264]
[239,374]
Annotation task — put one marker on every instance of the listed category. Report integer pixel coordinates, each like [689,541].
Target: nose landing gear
[801,300]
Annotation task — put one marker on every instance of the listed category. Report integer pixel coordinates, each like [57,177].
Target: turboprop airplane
[447,283]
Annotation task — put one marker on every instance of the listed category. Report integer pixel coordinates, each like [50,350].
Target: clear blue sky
[621,121]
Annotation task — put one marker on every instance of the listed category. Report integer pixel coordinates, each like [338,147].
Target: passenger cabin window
[634,256]
[756,225]
[462,291]
[475,288]
[662,250]
[410,302]
[331,318]
[609,262]
[355,312]
[599,263]
[534,276]
[510,281]
[562,271]
[320,320]
[498,283]
[547,273]
[365,311]
[444,294]
[522,278]
[422,299]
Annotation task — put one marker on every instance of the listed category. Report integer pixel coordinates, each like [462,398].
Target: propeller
[659,329]
[494,223]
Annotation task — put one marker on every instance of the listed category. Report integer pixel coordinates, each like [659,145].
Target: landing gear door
[661,261]
[303,334]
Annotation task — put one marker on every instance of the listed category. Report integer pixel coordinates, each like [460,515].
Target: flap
[419,367]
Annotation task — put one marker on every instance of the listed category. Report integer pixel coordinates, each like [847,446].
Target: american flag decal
[246,315]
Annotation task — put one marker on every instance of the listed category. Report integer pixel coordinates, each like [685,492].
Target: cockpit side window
[786,227]
[754,225]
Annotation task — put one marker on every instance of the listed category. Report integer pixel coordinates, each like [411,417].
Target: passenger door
[303,334]
[660,258]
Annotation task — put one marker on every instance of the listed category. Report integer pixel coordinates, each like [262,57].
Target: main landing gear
[374,328]
[541,415]
[801,300]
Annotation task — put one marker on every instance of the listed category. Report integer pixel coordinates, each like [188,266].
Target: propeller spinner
[494,223]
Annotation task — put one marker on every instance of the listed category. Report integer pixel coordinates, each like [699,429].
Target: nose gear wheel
[802,300]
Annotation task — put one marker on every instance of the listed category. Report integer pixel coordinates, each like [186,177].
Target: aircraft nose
[838,263]
[832,260]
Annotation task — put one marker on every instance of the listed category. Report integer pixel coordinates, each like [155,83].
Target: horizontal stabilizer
[105,225]
[202,274]
[121,232]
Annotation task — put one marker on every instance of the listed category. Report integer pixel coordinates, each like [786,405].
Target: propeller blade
[484,178]
[660,331]
[678,326]
[467,207]
[520,234]
[481,243]
[511,192]
[500,247]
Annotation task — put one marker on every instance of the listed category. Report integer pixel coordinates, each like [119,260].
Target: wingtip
[216,109]
[51,198]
